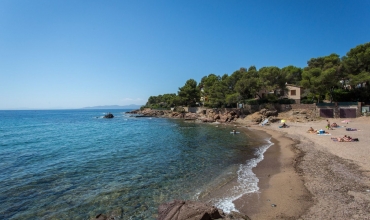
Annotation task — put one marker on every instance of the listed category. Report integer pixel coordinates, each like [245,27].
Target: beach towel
[351,129]
[324,134]
[264,122]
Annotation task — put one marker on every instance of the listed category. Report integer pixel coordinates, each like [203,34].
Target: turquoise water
[74,164]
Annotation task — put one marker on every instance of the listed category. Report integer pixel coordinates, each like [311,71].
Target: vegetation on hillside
[330,77]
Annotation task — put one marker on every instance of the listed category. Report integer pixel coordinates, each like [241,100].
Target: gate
[347,112]
[327,113]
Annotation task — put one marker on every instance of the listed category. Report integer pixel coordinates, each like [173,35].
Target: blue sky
[73,54]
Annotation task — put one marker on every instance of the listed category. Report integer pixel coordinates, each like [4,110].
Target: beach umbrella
[283,121]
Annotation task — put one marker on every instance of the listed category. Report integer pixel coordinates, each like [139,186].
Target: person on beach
[334,125]
[347,138]
[328,124]
[311,130]
[285,125]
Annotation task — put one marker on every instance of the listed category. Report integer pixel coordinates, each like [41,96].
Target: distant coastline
[114,107]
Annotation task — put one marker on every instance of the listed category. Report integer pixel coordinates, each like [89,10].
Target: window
[292,92]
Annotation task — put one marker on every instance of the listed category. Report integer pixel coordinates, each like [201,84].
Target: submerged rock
[191,210]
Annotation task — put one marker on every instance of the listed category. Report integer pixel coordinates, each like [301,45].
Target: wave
[247,181]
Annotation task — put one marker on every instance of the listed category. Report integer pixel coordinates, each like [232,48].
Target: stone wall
[303,106]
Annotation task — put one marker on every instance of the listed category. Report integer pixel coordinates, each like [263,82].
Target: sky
[66,54]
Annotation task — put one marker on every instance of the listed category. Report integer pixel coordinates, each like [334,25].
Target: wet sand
[282,192]
[308,176]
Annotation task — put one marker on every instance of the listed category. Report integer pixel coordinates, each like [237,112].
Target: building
[294,92]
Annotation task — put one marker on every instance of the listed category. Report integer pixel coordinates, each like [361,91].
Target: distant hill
[114,107]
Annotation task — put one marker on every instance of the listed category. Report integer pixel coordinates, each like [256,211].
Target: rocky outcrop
[109,115]
[191,210]
[133,111]
[296,115]
[214,115]
[254,118]
[210,116]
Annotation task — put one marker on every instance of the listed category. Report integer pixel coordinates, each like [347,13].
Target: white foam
[247,181]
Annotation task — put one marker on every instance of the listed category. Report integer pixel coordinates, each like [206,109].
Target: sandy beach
[310,176]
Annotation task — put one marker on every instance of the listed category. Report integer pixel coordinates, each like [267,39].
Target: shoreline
[280,187]
[308,176]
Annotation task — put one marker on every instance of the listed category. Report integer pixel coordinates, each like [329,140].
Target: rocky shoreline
[232,116]
[185,210]
[210,115]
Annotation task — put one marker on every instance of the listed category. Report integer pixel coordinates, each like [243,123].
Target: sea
[75,164]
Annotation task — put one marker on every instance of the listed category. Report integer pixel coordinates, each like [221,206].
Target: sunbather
[311,130]
[334,125]
[347,138]
[284,126]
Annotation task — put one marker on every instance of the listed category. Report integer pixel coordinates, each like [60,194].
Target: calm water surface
[73,164]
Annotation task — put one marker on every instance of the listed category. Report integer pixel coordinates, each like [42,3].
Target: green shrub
[286,101]
[306,101]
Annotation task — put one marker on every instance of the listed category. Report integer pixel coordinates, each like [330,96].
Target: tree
[357,59]
[217,95]
[232,99]
[189,93]
[233,79]
[250,84]
[357,65]
[207,88]
[323,75]
[272,79]
[292,74]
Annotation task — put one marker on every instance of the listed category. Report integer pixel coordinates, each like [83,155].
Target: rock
[236,216]
[109,115]
[191,210]
[271,113]
[232,113]
[223,118]
[263,111]
[255,117]
[101,217]
[133,112]
[210,120]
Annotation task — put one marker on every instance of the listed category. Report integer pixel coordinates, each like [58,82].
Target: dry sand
[309,176]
